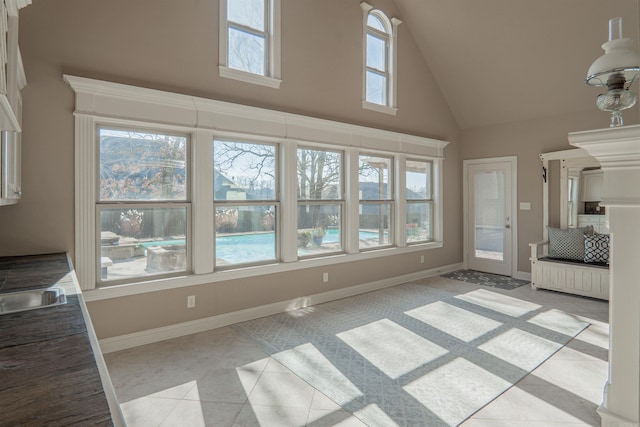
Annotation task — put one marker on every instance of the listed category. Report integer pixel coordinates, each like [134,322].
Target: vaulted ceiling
[502,61]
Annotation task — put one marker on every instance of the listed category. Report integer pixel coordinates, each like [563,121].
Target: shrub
[226,220]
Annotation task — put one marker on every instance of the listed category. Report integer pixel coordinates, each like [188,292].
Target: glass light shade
[616,70]
[619,57]
[614,101]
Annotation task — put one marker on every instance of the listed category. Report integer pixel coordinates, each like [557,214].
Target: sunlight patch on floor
[309,361]
[454,321]
[520,348]
[455,390]
[510,306]
[391,348]
[557,321]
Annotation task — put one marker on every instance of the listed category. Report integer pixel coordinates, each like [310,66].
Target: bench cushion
[575,262]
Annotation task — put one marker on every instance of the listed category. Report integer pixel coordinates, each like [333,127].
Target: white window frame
[425,201]
[142,204]
[112,104]
[391,189]
[272,35]
[391,38]
[252,203]
[340,201]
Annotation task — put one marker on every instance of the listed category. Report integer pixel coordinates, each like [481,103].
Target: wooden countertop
[48,370]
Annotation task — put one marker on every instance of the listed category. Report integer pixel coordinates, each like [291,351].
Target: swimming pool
[255,247]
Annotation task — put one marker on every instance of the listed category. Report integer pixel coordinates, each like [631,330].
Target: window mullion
[289,202]
[202,202]
[352,204]
[401,200]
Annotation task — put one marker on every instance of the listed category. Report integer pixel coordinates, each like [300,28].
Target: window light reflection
[391,348]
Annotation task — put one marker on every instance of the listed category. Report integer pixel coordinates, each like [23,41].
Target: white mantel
[618,151]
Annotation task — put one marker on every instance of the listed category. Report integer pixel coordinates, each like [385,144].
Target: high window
[380,47]
[143,204]
[320,201]
[250,41]
[376,201]
[246,203]
[419,194]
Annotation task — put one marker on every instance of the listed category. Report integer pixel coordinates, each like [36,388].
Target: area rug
[486,279]
[414,355]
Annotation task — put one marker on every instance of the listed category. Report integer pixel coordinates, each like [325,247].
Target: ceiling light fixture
[616,70]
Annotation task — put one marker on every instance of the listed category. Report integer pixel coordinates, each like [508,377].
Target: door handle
[507,226]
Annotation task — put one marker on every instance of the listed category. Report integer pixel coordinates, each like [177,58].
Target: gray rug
[413,355]
[486,279]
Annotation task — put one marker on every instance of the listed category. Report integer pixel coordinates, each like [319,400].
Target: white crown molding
[618,151]
[112,344]
[125,102]
[613,147]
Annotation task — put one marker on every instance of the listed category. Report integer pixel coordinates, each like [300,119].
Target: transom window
[250,41]
[380,47]
[377,68]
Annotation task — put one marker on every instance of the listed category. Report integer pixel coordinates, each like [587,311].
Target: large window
[143,204]
[250,41]
[380,46]
[246,203]
[320,202]
[419,193]
[375,192]
[161,203]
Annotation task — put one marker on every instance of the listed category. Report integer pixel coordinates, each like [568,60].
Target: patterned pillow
[596,248]
[568,243]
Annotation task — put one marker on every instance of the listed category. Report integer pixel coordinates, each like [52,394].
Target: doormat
[486,279]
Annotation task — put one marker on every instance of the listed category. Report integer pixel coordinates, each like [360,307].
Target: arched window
[380,46]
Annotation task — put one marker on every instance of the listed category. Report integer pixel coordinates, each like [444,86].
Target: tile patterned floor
[222,378]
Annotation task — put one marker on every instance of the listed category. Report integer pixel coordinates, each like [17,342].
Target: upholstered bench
[570,276]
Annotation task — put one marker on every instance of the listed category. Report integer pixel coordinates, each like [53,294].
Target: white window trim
[391,106]
[272,78]
[113,104]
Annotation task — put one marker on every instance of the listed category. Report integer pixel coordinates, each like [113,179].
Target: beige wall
[173,46]
[527,140]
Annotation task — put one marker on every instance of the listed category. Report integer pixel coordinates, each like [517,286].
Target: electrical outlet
[325,277]
[421,259]
[191,301]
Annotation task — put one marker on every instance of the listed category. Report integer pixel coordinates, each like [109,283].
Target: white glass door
[489,221]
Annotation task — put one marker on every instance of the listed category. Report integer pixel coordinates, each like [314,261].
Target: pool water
[255,247]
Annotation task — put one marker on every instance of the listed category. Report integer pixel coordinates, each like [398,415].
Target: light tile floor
[222,378]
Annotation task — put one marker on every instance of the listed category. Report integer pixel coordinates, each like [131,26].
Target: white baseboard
[122,342]
[523,275]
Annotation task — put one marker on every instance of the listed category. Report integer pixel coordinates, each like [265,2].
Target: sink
[13,302]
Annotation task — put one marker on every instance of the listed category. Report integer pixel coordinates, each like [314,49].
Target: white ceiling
[502,61]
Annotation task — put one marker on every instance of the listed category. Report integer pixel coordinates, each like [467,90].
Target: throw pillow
[596,248]
[568,243]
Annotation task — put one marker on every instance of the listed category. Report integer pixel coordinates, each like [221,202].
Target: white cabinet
[12,80]
[600,223]
[592,185]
